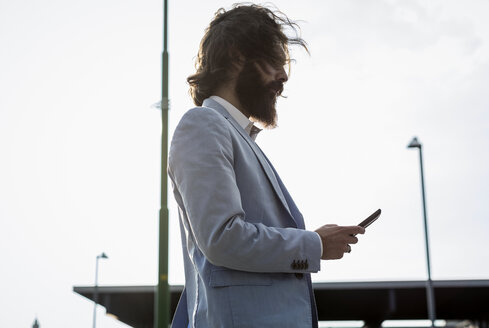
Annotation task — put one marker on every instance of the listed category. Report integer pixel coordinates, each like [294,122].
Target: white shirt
[239,117]
[248,126]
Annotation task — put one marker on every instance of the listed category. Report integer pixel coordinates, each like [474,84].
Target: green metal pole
[430,295]
[162,301]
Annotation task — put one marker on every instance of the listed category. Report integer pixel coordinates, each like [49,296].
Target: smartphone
[368,221]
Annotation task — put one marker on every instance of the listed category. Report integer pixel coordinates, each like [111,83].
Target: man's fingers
[353,230]
[337,240]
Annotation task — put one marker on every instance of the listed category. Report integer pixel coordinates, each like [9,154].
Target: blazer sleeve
[202,172]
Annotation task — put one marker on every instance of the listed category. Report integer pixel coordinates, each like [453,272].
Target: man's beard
[257,98]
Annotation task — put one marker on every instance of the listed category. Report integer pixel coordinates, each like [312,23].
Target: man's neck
[229,95]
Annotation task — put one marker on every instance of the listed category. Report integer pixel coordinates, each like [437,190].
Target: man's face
[257,88]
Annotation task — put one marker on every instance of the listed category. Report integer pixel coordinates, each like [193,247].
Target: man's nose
[282,75]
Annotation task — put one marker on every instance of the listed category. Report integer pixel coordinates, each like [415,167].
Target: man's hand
[337,239]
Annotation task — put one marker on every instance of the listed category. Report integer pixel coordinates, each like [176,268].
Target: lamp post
[430,296]
[162,299]
[95,294]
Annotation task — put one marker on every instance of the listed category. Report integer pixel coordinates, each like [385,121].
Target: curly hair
[251,32]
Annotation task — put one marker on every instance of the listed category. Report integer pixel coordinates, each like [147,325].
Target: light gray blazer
[246,254]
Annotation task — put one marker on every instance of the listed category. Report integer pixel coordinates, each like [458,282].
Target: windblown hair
[249,32]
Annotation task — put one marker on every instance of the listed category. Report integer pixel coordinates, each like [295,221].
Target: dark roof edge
[317,285]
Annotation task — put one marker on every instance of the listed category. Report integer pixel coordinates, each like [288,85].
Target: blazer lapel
[261,157]
[296,214]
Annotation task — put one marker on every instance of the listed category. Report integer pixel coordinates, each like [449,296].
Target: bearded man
[247,255]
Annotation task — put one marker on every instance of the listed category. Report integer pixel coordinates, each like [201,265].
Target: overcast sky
[80,143]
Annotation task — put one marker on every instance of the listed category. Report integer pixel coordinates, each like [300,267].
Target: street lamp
[430,296]
[95,294]
[162,299]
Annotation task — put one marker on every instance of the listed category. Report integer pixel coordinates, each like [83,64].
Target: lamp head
[102,256]
[414,143]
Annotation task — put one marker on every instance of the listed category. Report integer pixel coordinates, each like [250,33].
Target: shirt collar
[239,117]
